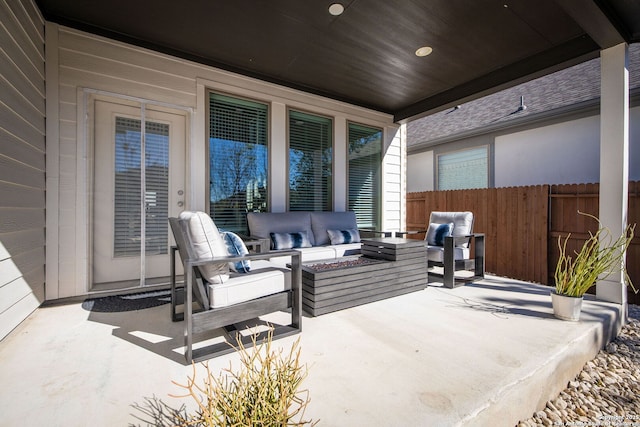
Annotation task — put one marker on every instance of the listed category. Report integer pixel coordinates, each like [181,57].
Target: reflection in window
[463,169]
[238,160]
[364,151]
[128,191]
[310,162]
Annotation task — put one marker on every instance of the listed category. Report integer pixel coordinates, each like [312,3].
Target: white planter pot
[566,307]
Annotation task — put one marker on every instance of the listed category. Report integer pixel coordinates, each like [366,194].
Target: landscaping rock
[607,391]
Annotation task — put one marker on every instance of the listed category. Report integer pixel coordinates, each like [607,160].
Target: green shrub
[597,258]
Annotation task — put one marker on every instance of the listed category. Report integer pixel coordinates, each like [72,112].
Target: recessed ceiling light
[424,51]
[336,9]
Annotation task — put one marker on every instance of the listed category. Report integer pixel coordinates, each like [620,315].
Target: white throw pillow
[437,232]
[207,243]
[339,237]
[299,239]
[235,246]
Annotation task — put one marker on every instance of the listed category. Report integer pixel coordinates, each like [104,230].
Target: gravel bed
[607,390]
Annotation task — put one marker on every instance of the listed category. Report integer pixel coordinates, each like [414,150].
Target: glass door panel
[138,184]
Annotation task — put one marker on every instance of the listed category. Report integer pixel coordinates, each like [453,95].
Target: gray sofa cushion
[323,221]
[262,224]
[317,253]
[347,249]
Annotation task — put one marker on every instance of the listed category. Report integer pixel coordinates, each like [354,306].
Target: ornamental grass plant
[599,256]
[263,391]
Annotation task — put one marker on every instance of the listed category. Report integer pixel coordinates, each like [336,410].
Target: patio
[489,353]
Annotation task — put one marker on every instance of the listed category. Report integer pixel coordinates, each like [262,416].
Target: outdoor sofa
[316,235]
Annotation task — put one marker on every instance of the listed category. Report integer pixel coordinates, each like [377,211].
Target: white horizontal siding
[22,162]
[393,181]
[98,63]
[86,62]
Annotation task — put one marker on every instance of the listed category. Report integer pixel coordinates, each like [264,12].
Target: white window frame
[482,182]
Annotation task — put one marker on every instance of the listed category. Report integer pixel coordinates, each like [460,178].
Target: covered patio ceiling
[366,56]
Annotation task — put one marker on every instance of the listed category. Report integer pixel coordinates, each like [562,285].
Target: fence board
[507,217]
[522,224]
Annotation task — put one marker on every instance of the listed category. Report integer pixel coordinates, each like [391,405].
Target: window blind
[156,188]
[238,160]
[463,169]
[128,191]
[310,162]
[365,148]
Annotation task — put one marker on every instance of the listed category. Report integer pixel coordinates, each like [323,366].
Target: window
[128,182]
[310,162]
[238,160]
[364,151]
[463,169]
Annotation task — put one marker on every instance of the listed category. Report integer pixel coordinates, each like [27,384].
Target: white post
[278,147]
[340,165]
[614,158]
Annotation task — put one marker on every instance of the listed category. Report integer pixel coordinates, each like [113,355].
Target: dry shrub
[264,391]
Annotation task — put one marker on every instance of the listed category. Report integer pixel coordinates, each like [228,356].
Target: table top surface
[392,241]
[338,263]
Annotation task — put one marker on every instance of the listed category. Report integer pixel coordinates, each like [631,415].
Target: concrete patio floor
[486,354]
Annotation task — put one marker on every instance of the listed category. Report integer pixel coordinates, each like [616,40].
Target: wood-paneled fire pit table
[388,267]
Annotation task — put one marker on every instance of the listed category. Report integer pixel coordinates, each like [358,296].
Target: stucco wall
[420,172]
[22,162]
[80,64]
[564,153]
[561,153]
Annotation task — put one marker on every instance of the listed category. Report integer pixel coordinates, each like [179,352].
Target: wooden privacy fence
[522,224]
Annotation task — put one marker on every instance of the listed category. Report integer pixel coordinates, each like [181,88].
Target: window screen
[238,159]
[310,162]
[128,191]
[463,169]
[364,151]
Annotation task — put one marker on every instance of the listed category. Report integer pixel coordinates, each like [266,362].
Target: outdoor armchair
[214,297]
[450,240]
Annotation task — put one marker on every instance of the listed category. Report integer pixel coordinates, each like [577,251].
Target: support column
[340,165]
[278,169]
[614,158]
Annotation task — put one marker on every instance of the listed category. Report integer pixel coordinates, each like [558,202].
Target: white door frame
[83,172]
[107,267]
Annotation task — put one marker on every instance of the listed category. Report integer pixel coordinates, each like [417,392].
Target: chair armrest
[255,243]
[295,266]
[467,238]
[236,258]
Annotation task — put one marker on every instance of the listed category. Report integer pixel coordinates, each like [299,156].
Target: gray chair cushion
[436,253]
[462,223]
[207,243]
[265,279]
